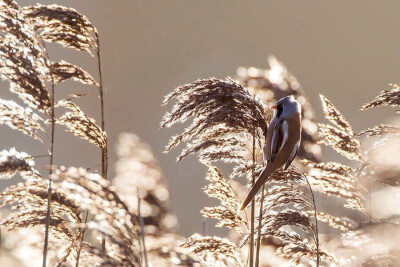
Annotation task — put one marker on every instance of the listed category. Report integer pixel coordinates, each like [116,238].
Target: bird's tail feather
[254,190]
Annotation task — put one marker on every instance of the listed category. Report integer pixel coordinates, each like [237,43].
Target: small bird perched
[282,141]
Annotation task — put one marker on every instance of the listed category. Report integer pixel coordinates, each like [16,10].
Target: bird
[282,142]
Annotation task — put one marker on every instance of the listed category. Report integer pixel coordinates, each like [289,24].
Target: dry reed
[82,219]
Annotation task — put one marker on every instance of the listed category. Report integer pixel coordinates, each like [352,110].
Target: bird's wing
[292,155]
[279,138]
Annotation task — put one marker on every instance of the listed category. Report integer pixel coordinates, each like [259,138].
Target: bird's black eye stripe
[279,110]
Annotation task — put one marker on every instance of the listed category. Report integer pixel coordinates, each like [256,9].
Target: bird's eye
[279,109]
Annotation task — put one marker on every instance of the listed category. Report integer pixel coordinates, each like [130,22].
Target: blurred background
[347,51]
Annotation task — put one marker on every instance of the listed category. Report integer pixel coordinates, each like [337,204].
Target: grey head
[287,106]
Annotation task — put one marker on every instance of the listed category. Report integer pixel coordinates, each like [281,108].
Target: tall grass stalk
[253,178]
[52,140]
[260,218]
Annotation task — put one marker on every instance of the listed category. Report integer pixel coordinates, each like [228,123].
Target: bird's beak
[273,106]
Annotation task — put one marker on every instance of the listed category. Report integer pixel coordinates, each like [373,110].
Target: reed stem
[81,240]
[49,191]
[142,233]
[252,203]
[316,220]
[260,218]
[104,150]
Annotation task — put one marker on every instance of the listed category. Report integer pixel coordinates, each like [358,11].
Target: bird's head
[287,106]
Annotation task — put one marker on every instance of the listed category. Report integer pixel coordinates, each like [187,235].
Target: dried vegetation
[77,217]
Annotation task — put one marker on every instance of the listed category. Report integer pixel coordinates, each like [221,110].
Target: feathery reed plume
[26,65]
[25,245]
[381,130]
[287,207]
[333,178]
[21,119]
[385,98]
[222,111]
[81,125]
[340,136]
[25,34]
[71,29]
[138,168]
[113,218]
[370,244]
[334,116]
[22,58]
[63,70]
[214,251]
[63,25]
[164,250]
[12,162]
[277,82]
[342,224]
[382,165]
[34,196]
[338,180]
[225,116]
[227,212]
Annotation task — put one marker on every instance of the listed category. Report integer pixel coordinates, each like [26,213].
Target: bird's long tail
[254,190]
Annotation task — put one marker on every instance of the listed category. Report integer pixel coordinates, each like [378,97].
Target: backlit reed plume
[29,82]
[81,125]
[288,216]
[358,244]
[139,178]
[225,119]
[12,162]
[374,243]
[63,25]
[333,178]
[227,212]
[137,170]
[76,192]
[385,98]
[112,216]
[29,207]
[25,63]
[214,251]
[222,111]
[23,59]
[63,70]
[20,118]
[340,136]
[339,180]
[276,82]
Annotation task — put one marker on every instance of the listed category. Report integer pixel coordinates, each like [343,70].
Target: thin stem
[316,219]
[104,150]
[81,241]
[358,171]
[142,230]
[252,203]
[49,192]
[369,201]
[260,218]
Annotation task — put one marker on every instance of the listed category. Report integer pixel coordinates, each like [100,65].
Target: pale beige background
[347,50]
